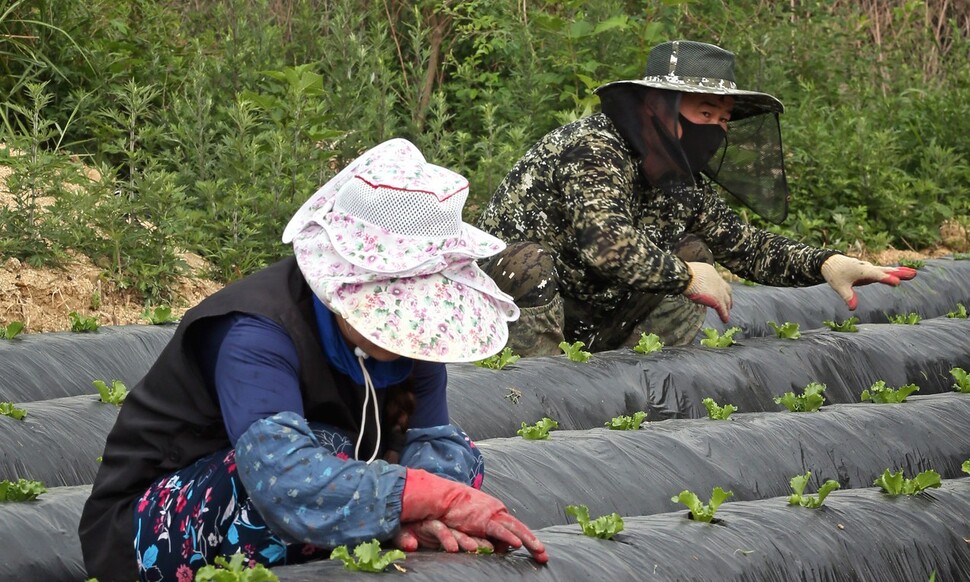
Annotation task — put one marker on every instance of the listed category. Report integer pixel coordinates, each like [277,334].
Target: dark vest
[170,419]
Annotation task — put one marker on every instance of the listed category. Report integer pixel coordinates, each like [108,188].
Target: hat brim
[440,311]
[746,103]
[429,317]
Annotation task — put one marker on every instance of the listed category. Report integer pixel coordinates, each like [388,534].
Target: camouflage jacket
[580,192]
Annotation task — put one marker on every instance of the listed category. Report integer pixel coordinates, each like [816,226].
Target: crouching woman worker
[304,406]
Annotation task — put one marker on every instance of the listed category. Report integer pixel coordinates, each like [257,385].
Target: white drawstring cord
[368,391]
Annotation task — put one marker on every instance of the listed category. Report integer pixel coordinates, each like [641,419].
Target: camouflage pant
[527,272]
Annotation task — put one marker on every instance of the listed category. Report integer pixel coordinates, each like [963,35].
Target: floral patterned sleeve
[445,451]
[307,492]
[755,253]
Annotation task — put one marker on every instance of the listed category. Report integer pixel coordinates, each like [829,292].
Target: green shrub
[211,122]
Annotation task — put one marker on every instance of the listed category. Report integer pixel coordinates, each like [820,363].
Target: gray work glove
[709,288]
[843,273]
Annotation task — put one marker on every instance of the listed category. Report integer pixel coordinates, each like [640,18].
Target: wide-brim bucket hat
[696,67]
[383,245]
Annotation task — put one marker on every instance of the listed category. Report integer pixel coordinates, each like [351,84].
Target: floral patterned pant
[186,519]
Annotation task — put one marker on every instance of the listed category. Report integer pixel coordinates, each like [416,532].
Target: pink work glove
[434,534]
[843,273]
[709,288]
[467,510]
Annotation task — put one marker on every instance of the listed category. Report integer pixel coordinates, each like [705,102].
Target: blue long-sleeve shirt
[307,490]
[250,364]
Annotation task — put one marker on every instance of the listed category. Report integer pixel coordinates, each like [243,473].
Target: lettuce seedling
[715,412]
[798,483]
[627,422]
[907,319]
[895,484]
[848,326]
[115,394]
[810,400]
[499,360]
[963,380]
[966,466]
[367,557]
[21,490]
[787,330]
[8,409]
[716,340]
[575,351]
[649,343]
[603,527]
[81,323]
[158,315]
[699,511]
[11,330]
[879,393]
[960,313]
[912,263]
[538,431]
[484,551]
[235,569]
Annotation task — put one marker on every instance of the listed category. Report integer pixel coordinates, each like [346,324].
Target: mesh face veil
[751,166]
[749,163]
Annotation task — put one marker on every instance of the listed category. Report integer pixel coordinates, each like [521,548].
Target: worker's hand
[467,510]
[843,273]
[434,534]
[709,288]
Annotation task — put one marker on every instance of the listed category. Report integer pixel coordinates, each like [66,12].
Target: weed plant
[208,123]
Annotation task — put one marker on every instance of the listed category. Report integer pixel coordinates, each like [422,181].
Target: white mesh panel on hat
[407,212]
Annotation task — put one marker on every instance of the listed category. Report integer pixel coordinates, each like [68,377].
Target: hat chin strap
[369,392]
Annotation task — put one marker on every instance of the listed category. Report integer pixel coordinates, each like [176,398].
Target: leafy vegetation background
[208,122]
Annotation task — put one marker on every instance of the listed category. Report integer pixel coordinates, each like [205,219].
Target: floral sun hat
[698,67]
[383,245]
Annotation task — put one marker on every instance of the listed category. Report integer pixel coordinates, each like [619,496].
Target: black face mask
[700,142]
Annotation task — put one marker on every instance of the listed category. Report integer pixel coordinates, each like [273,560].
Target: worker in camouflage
[614,222]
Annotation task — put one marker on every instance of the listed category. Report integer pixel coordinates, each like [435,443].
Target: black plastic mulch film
[59,439]
[54,365]
[939,285]
[38,539]
[58,442]
[755,455]
[629,472]
[672,383]
[856,535]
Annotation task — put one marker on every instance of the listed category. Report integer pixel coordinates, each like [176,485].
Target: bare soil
[42,298]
